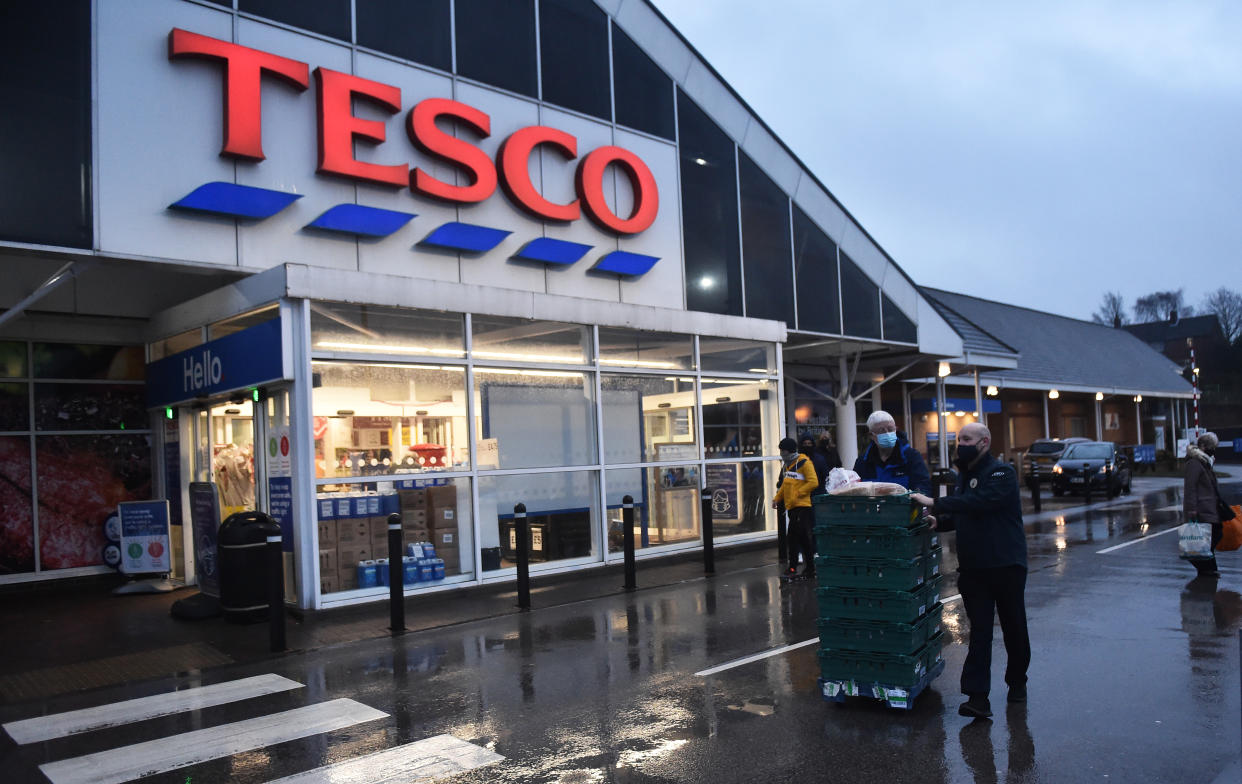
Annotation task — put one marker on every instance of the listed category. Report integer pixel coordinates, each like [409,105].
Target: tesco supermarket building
[345,258]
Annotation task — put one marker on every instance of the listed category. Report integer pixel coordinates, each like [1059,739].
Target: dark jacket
[987,512]
[821,469]
[831,458]
[1199,491]
[904,466]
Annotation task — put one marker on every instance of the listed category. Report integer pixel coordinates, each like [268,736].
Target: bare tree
[1160,306]
[1112,310]
[1227,305]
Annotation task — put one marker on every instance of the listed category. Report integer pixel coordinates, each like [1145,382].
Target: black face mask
[1210,452]
[966,454]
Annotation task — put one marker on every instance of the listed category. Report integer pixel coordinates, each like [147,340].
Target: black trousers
[1206,565]
[987,594]
[801,521]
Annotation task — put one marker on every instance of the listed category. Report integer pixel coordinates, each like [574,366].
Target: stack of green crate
[878,569]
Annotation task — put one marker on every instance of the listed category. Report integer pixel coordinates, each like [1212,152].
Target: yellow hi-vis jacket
[798,479]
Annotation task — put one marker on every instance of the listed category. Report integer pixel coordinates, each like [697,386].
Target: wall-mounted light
[993,391]
[960,413]
[1138,398]
[665,405]
[723,399]
[1053,394]
[706,282]
[345,412]
[943,369]
[700,161]
[1099,395]
[421,412]
[232,411]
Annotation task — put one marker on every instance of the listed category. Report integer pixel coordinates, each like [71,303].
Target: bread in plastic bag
[839,478]
[870,489]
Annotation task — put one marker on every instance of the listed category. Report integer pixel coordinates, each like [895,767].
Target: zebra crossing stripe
[190,748]
[61,725]
[420,762]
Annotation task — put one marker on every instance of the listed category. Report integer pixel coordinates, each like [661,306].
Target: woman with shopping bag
[1203,507]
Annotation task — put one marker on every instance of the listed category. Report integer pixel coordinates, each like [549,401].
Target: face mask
[886,440]
[966,454]
[1210,452]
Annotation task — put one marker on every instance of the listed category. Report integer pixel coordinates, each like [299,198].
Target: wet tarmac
[1134,678]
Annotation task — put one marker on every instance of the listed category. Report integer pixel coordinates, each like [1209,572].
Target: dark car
[1098,464]
[1043,455]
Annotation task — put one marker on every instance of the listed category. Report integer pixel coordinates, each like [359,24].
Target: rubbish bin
[242,554]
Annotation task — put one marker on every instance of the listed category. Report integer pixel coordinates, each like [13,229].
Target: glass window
[81,480]
[739,418]
[525,340]
[638,349]
[897,325]
[727,355]
[648,418]
[667,508]
[12,359]
[815,259]
[535,418]
[383,330]
[765,245]
[45,182]
[17,527]
[417,30]
[353,530]
[573,46]
[860,301]
[84,360]
[741,496]
[235,324]
[326,17]
[90,407]
[373,419]
[176,344]
[708,213]
[643,93]
[562,511]
[496,43]
[14,406]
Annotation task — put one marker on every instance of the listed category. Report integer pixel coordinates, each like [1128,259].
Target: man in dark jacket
[890,458]
[991,555]
[806,445]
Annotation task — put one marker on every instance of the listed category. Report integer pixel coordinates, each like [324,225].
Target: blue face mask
[886,440]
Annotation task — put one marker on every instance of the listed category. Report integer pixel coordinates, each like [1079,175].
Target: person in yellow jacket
[793,491]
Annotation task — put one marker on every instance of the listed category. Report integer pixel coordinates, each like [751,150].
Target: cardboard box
[347,580]
[332,583]
[353,532]
[411,534]
[442,496]
[446,539]
[328,562]
[413,499]
[444,518]
[327,534]
[348,556]
[414,515]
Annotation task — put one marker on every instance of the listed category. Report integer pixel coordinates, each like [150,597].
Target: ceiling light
[943,369]
[1138,398]
[700,161]
[993,391]
[1053,394]
[1099,395]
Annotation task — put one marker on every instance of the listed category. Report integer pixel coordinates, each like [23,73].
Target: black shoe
[1017,693]
[807,574]
[976,708]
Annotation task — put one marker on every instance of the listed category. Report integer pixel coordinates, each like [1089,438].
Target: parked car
[1043,455]
[1098,464]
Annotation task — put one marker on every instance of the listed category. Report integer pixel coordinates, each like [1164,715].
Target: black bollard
[1035,499]
[522,536]
[627,539]
[1086,480]
[275,593]
[782,547]
[709,544]
[396,576]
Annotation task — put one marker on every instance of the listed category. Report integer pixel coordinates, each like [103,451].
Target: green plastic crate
[878,604]
[887,669]
[872,541]
[881,510]
[931,563]
[879,636]
[901,574]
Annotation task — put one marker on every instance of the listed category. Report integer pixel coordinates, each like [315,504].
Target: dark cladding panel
[815,276]
[45,126]
[644,93]
[573,47]
[496,43]
[326,17]
[708,213]
[897,325]
[860,301]
[417,30]
[766,253]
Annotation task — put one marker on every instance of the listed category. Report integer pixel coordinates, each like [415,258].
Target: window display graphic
[144,537]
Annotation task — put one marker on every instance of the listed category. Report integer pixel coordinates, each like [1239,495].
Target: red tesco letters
[339,128]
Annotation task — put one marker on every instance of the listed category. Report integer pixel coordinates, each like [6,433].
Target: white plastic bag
[839,478]
[1194,540]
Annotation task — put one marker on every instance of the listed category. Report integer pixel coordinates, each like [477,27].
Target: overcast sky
[1037,154]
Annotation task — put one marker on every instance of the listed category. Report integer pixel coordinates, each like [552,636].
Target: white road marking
[777,651]
[62,725]
[1135,541]
[423,761]
[190,748]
